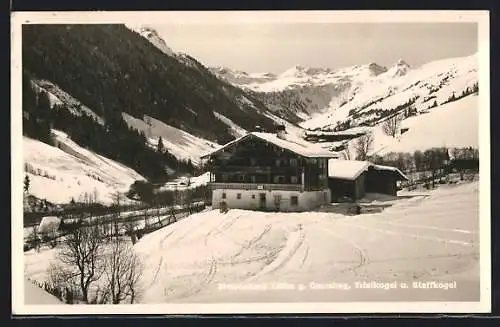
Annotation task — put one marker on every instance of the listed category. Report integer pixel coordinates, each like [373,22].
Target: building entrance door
[262,200]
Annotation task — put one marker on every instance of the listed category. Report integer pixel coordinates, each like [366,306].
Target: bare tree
[130,230]
[123,270]
[51,235]
[391,126]
[157,206]
[62,282]
[418,158]
[434,160]
[145,215]
[82,252]
[117,201]
[363,145]
[34,239]
[188,201]
[348,152]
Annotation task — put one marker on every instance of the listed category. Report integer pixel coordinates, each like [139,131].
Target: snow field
[436,238]
[431,236]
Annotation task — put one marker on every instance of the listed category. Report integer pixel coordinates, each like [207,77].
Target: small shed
[49,224]
[346,178]
[353,178]
[383,179]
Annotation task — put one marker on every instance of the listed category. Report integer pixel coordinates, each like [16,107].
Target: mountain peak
[400,68]
[401,62]
[152,36]
[375,69]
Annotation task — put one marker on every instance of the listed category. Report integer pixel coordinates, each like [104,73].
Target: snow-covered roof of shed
[351,169]
[394,169]
[297,146]
[346,169]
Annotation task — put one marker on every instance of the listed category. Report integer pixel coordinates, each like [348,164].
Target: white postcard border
[481,17]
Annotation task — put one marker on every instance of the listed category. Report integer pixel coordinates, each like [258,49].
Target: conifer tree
[160,148]
[26,184]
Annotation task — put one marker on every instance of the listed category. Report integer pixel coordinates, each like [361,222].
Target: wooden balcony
[256,169]
[256,186]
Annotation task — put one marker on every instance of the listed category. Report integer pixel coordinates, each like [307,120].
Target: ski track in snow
[299,253]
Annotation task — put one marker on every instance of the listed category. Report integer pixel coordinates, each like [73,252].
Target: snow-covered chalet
[269,171]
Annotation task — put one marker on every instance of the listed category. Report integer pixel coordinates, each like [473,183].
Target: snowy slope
[70,171]
[455,124]
[59,96]
[247,256]
[35,295]
[177,142]
[236,130]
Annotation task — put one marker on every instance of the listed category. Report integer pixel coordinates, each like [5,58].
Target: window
[294,200]
[278,162]
[223,195]
[238,196]
[293,162]
[279,179]
[253,196]
[241,178]
[277,199]
[294,180]
[253,178]
[224,177]
[252,161]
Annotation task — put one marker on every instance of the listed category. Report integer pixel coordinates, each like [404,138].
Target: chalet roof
[346,169]
[297,146]
[351,169]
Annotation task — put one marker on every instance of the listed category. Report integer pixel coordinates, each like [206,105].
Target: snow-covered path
[246,256]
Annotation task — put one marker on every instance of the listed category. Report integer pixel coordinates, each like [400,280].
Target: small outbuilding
[49,224]
[346,178]
[353,178]
[383,179]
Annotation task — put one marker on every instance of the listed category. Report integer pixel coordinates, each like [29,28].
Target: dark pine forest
[111,70]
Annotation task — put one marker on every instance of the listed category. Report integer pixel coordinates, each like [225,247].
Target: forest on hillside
[114,139]
[112,69]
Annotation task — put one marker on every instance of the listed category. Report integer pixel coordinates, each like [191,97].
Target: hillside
[359,95]
[112,69]
[175,141]
[454,124]
[60,173]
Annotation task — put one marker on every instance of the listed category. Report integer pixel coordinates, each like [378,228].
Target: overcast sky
[264,47]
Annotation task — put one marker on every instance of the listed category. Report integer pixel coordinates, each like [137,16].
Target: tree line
[433,162]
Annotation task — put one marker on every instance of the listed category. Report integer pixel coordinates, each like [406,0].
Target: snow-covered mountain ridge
[323,97]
